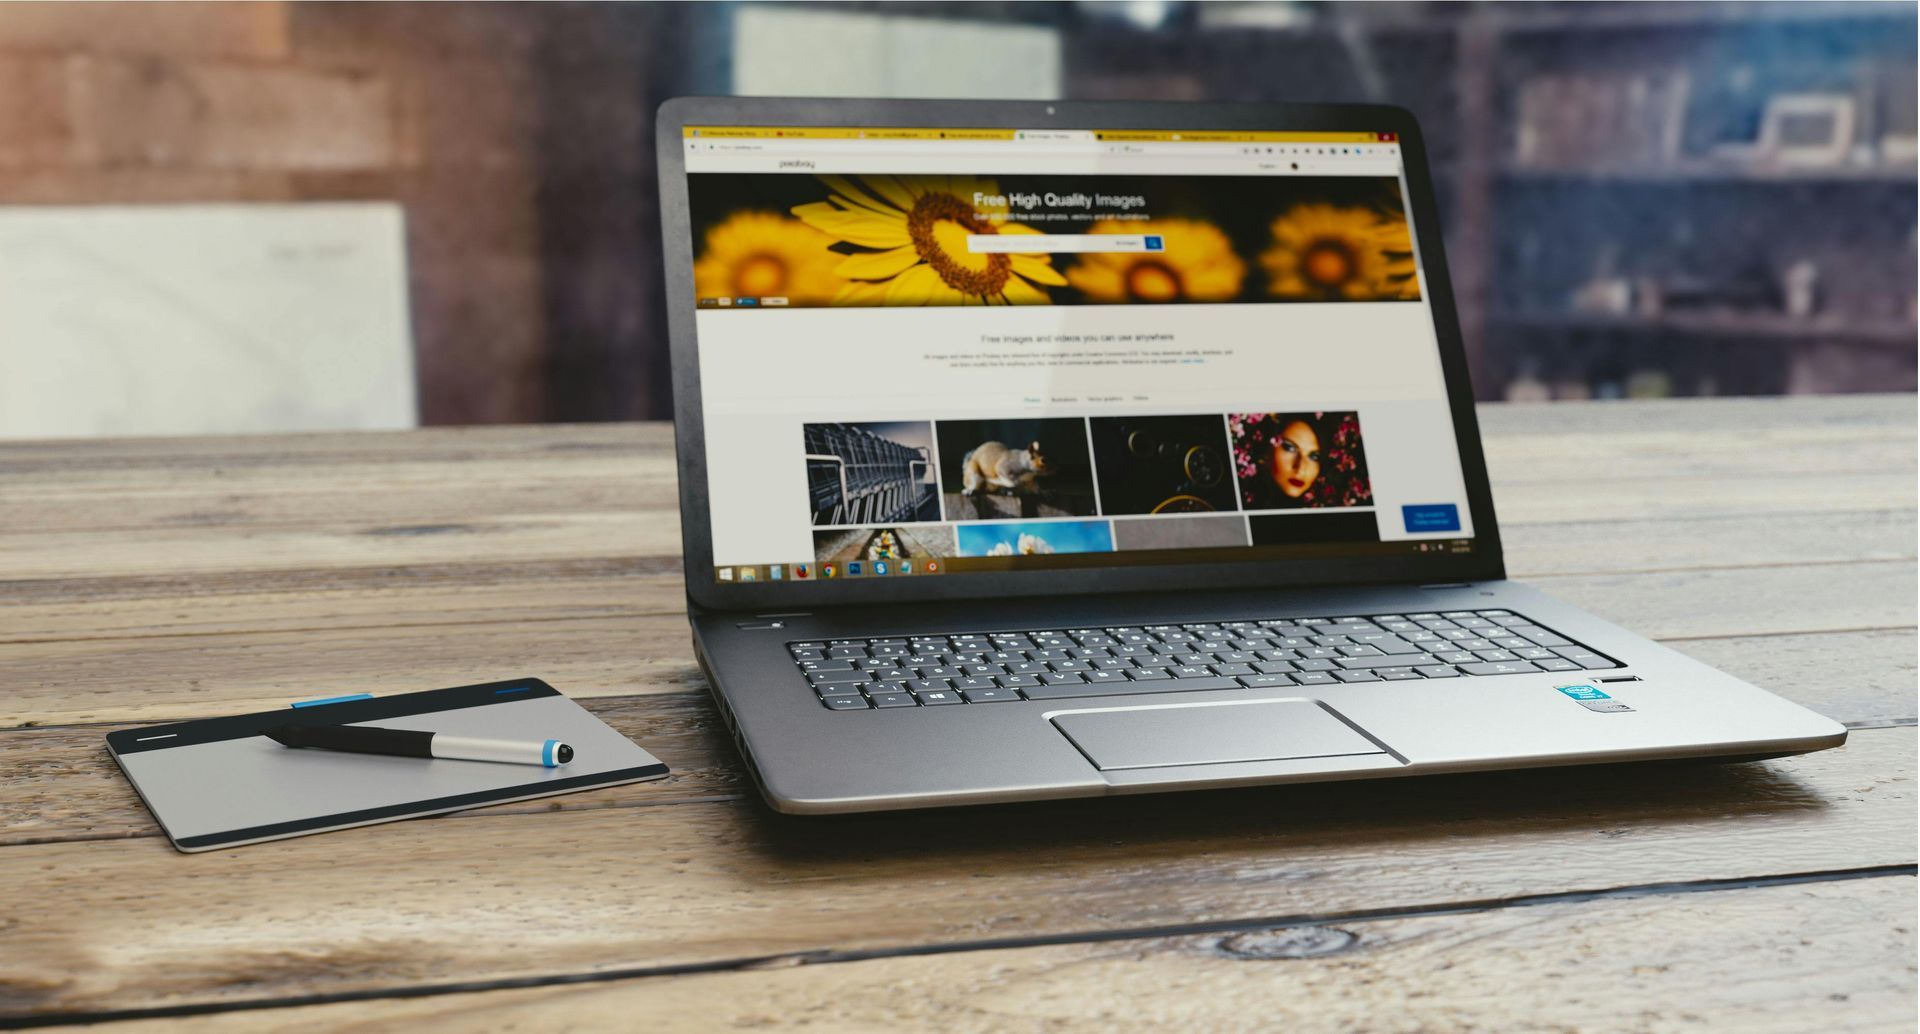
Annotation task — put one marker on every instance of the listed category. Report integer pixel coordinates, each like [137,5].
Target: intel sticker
[1592,699]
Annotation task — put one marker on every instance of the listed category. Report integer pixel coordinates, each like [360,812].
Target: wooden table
[156,580]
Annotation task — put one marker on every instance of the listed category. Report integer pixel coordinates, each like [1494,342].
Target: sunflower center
[759,274]
[1152,282]
[1328,263]
[939,226]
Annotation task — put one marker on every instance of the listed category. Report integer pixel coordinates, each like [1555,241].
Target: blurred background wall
[1640,199]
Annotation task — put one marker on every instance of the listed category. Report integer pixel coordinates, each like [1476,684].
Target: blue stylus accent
[546,753]
[333,700]
[516,689]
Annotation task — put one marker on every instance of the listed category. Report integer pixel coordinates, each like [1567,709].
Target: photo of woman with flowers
[902,240]
[1288,461]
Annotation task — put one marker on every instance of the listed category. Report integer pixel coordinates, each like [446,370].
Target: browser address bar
[1029,243]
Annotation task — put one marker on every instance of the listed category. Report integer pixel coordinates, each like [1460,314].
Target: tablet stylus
[369,739]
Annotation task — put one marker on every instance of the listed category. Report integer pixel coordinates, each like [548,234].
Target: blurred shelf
[1773,329]
[1548,19]
[1706,172]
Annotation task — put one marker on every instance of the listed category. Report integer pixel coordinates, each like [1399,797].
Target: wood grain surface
[1786,959]
[149,580]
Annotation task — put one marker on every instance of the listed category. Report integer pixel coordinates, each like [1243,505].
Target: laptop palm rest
[1171,735]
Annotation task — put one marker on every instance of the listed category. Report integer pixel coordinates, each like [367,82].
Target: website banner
[781,240]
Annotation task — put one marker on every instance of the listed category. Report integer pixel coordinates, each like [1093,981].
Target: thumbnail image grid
[871,473]
[1016,468]
[1287,461]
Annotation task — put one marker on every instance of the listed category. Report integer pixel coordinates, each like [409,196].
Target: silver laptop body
[1033,450]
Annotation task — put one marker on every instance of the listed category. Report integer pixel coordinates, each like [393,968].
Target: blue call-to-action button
[1431,517]
[1154,243]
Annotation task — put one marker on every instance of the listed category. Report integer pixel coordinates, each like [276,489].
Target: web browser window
[928,352]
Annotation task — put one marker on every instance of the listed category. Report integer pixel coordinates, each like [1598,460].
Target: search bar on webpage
[1057,243]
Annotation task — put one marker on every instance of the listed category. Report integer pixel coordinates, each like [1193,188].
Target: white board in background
[204,319]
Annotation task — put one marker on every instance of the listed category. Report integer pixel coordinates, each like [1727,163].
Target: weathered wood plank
[610,631]
[212,561]
[117,924]
[59,784]
[1661,962]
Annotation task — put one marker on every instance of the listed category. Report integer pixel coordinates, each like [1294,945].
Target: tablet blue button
[1431,517]
[333,700]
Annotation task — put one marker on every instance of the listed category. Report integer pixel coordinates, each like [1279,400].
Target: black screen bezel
[1484,562]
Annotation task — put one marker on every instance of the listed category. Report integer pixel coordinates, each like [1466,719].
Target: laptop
[1042,450]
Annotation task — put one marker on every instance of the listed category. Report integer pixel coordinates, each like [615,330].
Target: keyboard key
[1097,677]
[989,696]
[1264,681]
[1499,668]
[1495,655]
[1314,678]
[1455,657]
[1556,664]
[1148,674]
[1071,666]
[1273,667]
[1356,675]
[924,686]
[1116,689]
[822,678]
[847,652]
[841,690]
[1360,650]
[1534,653]
[975,682]
[1233,669]
[826,665]
[892,700]
[1404,661]
[1438,671]
[1539,636]
[1397,645]
[1315,664]
[937,697]
[852,703]
[1396,674]
[1064,678]
[1017,681]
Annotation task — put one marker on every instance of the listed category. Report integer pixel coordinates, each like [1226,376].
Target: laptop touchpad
[1167,735]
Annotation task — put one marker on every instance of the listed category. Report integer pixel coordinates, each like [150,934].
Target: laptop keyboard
[1003,667]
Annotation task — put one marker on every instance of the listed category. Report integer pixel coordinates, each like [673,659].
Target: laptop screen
[933,352]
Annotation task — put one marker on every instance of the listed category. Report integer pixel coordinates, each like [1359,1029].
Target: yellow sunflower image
[765,254]
[1198,265]
[1326,252]
[913,231]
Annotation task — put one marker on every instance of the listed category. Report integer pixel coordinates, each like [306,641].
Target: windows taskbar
[930,566]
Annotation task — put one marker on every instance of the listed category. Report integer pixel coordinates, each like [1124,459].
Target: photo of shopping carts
[871,473]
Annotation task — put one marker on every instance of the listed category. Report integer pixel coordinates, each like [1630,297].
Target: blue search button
[1431,517]
[1155,243]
